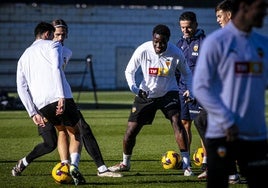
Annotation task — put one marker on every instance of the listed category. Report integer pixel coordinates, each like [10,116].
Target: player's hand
[60,107]
[143,94]
[39,120]
[187,96]
[232,133]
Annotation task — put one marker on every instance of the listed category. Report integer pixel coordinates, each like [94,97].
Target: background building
[107,30]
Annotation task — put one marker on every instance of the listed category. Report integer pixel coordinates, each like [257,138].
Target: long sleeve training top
[40,78]
[230,81]
[158,70]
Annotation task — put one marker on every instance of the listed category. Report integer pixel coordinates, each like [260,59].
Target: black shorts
[70,116]
[251,157]
[143,110]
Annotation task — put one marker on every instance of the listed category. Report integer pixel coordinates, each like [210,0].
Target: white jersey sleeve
[132,67]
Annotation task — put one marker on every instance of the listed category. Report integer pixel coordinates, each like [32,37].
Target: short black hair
[225,6]
[189,16]
[162,30]
[43,27]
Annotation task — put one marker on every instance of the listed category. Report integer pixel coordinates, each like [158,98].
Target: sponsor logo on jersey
[194,53]
[248,68]
[158,71]
[153,71]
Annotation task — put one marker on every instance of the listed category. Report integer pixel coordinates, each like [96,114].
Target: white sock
[126,159]
[102,168]
[65,161]
[205,159]
[185,160]
[75,158]
[25,163]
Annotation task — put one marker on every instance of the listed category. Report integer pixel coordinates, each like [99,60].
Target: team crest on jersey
[248,68]
[168,63]
[195,48]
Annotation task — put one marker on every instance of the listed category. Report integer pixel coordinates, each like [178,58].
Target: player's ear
[47,35]
[229,15]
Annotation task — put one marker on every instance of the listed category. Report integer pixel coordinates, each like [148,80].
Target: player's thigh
[184,109]
[143,111]
[170,105]
[70,117]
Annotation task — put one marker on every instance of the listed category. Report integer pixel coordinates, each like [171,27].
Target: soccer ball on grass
[61,173]
[171,160]
[198,156]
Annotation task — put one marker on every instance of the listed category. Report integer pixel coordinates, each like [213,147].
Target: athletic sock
[205,159]
[65,161]
[185,160]
[126,159]
[75,158]
[102,168]
[24,161]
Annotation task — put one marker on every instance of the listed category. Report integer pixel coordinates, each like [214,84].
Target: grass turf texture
[18,135]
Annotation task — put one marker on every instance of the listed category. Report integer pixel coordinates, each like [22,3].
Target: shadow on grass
[84,106]
[103,106]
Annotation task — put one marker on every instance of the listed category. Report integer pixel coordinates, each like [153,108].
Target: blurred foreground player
[236,68]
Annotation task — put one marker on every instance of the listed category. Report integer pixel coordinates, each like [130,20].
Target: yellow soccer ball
[61,173]
[171,160]
[198,156]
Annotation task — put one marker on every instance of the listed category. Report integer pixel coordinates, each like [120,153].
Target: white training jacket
[40,78]
[158,70]
[66,54]
[230,81]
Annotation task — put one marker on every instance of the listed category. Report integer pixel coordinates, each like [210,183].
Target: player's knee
[50,140]
[51,143]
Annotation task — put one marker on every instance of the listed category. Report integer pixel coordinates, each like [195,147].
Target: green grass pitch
[18,135]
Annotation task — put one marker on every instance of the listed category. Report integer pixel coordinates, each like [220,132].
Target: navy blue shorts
[189,110]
